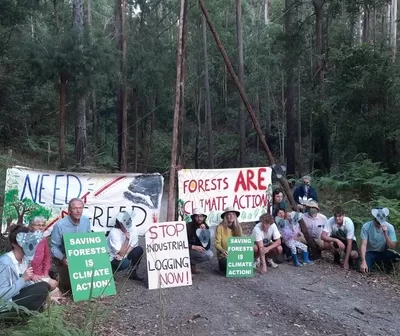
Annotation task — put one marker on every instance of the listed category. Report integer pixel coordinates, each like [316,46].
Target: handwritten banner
[30,193]
[167,250]
[240,257]
[247,189]
[89,265]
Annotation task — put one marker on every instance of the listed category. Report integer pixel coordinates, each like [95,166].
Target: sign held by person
[30,193]
[89,265]
[167,251]
[240,257]
[247,189]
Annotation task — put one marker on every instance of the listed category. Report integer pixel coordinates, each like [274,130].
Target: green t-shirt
[375,239]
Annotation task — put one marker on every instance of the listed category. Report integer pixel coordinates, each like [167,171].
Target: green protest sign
[89,265]
[240,257]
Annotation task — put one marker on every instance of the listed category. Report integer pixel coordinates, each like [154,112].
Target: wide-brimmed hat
[197,211]
[230,209]
[312,204]
[380,214]
[125,219]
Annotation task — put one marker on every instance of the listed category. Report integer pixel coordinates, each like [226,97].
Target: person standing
[73,223]
[198,233]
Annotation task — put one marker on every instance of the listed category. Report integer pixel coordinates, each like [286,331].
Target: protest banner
[240,259]
[89,265]
[167,251]
[212,190]
[30,193]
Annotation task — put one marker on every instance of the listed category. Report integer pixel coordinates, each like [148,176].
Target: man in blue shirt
[378,237]
[73,223]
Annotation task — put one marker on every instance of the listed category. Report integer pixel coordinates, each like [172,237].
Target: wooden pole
[178,91]
[285,186]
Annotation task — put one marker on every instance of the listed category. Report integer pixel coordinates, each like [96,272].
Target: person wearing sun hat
[199,239]
[229,227]
[315,223]
[123,245]
[378,237]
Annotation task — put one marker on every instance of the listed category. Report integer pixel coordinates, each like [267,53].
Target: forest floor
[318,299]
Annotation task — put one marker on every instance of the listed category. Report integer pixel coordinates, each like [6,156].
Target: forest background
[90,85]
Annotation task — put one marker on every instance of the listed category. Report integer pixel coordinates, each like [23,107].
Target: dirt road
[319,299]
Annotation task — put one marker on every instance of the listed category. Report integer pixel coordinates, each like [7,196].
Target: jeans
[197,257]
[133,259]
[386,257]
[32,297]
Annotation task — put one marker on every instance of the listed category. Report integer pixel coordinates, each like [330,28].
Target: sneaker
[271,263]
[257,263]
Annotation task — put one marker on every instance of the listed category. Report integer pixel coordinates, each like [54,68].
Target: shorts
[354,246]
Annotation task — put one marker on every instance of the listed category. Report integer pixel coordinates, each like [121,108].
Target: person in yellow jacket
[229,227]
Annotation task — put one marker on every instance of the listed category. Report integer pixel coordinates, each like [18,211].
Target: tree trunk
[266,11]
[210,140]
[365,32]
[62,94]
[178,91]
[122,117]
[290,92]
[242,120]
[151,135]
[80,123]
[393,29]
[299,133]
[136,128]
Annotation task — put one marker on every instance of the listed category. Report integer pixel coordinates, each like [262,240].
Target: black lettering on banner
[97,215]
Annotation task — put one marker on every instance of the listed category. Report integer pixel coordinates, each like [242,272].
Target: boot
[135,276]
[193,269]
[336,258]
[296,260]
[306,259]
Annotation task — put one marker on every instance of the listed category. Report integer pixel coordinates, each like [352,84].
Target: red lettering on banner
[206,185]
[250,201]
[247,183]
[240,181]
[172,278]
[170,230]
[250,183]
[261,178]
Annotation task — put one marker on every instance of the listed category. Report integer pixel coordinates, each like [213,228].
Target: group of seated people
[25,270]
[279,235]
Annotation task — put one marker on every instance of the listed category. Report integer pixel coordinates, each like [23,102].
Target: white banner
[167,252]
[30,193]
[249,190]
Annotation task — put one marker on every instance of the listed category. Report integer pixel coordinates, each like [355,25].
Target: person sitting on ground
[378,238]
[315,223]
[290,234]
[41,261]
[277,200]
[229,227]
[16,283]
[123,245]
[73,223]
[267,242]
[305,190]
[339,234]
[199,239]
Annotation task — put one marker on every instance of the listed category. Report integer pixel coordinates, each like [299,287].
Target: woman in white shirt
[123,245]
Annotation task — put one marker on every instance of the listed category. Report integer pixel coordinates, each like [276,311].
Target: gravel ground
[319,299]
